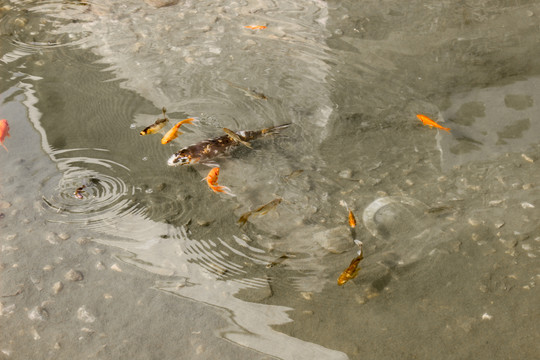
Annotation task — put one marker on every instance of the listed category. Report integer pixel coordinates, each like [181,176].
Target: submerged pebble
[527,205]
[84,315]
[52,238]
[35,334]
[345,174]
[115,267]
[336,240]
[527,158]
[38,313]
[203,222]
[7,309]
[73,275]
[11,237]
[57,287]
[83,240]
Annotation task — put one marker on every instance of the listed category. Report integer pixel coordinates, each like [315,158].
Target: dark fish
[279,260]
[78,193]
[206,150]
[261,210]
[248,92]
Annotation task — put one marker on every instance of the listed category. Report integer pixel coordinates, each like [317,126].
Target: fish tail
[447,129]
[221,189]
[274,129]
[244,218]
[227,191]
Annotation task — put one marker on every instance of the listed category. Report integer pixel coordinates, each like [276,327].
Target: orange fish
[352,271]
[4,131]
[212,180]
[427,121]
[255,27]
[173,133]
[352,219]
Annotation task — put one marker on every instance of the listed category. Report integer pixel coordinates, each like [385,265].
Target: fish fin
[5,147]
[344,204]
[244,218]
[275,129]
[212,164]
[223,189]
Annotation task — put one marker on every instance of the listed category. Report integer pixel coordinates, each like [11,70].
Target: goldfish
[427,121]
[173,133]
[248,92]
[205,151]
[352,271]
[352,219]
[236,138]
[261,210]
[255,27]
[212,180]
[156,126]
[79,191]
[4,131]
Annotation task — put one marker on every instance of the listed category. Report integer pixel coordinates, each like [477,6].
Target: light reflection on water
[172,225]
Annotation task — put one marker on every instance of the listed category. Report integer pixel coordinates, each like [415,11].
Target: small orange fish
[212,180]
[427,121]
[156,126]
[255,27]
[352,271]
[173,133]
[352,219]
[4,131]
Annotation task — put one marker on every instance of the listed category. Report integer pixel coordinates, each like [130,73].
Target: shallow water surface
[107,252]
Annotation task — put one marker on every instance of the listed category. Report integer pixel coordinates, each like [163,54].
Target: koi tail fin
[244,218]
[447,129]
[274,129]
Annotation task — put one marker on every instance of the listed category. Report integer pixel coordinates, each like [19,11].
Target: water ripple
[31,34]
[102,192]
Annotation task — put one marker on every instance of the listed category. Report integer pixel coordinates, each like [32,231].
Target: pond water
[145,262]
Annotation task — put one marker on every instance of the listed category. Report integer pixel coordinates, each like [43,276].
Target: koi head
[181,159]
